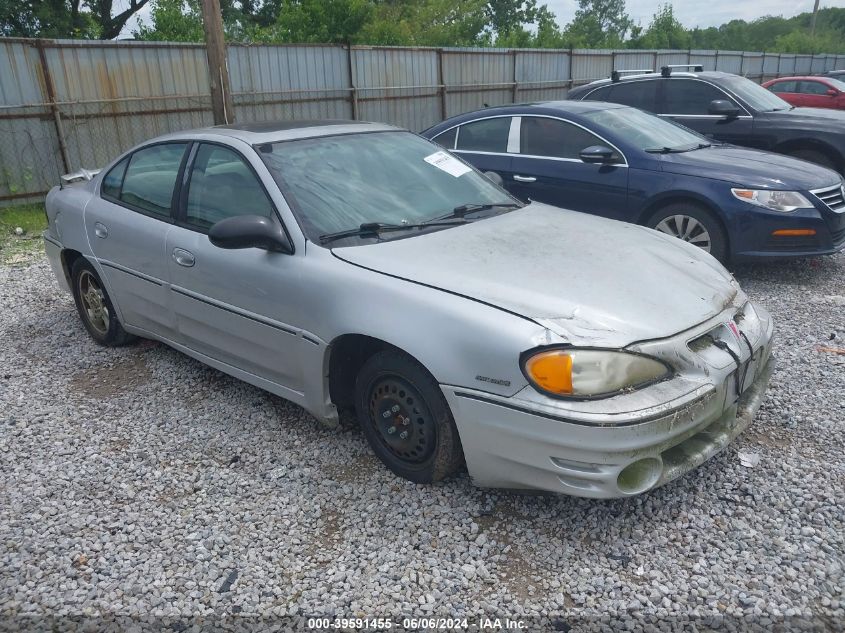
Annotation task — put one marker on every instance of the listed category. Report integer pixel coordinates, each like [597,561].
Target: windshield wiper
[464,209]
[669,150]
[374,229]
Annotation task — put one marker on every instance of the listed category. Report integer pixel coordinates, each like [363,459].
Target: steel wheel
[402,421]
[93,302]
[686,228]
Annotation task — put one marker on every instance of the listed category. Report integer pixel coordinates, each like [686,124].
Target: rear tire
[693,224]
[95,307]
[406,419]
[814,156]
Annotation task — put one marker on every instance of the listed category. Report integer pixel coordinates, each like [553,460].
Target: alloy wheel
[686,228]
[94,302]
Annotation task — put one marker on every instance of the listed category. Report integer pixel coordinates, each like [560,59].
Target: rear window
[486,135]
[637,94]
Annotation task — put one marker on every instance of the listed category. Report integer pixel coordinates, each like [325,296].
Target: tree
[664,31]
[46,18]
[599,24]
[173,21]
[504,17]
[326,21]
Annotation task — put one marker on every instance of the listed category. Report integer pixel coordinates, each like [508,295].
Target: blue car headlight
[783,201]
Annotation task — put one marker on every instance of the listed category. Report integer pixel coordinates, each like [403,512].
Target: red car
[809,92]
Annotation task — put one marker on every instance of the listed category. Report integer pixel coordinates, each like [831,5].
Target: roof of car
[257,133]
[706,74]
[801,77]
[573,107]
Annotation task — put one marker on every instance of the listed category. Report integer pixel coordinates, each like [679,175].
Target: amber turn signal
[551,371]
[793,232]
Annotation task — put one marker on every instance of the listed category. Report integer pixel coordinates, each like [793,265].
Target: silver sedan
[353,265]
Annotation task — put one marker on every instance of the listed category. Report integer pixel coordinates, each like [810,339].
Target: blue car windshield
[646,131]
[340,182]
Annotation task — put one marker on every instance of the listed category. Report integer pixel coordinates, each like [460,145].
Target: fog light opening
[639,476]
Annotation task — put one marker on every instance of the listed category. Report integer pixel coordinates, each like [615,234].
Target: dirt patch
[359,468]
[112,380]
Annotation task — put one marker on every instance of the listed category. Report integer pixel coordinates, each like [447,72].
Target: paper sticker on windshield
[447,163]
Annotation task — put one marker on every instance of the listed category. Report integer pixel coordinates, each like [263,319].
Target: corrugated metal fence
[66,104]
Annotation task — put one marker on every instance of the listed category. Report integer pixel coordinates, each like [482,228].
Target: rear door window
[151,178]
[784,86]
[689,96]
[637,94]
[486,135]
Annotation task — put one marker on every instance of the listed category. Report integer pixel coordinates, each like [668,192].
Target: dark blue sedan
[626,164]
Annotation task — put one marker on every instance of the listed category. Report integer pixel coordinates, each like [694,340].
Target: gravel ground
[137,481]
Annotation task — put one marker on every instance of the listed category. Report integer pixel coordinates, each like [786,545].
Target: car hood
[827,117]
[750,168]
[591,280]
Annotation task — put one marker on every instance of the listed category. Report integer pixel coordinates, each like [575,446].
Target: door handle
[100,230]
[524,178]
[183,257]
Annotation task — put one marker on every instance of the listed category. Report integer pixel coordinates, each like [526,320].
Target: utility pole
[813,21]
[222,106]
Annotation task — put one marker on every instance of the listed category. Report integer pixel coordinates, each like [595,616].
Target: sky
[691,13]
[701,13]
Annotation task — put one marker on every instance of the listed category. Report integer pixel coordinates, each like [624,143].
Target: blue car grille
[832,197]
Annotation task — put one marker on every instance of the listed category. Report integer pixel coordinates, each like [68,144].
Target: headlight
[784,201]
[588,373]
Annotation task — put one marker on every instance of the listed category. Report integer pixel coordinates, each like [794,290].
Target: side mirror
[598,154]
[249,231]
[832,92]
[496,178]
[723,107]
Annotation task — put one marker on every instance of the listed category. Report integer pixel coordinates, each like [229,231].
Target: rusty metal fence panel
[66,104]
[289,82]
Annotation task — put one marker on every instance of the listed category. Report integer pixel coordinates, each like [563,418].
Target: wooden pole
[813,21]
[222,106]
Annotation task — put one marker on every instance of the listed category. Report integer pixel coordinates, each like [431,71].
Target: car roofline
[276,132]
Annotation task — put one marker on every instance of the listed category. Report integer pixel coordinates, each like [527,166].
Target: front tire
[814,156]
[95,307]
[693,224]
[406,419]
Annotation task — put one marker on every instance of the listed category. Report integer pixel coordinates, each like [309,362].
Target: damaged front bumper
[621,446]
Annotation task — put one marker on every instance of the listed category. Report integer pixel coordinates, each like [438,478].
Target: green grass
[21,249]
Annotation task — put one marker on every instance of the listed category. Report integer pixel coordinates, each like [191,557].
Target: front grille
[833,197]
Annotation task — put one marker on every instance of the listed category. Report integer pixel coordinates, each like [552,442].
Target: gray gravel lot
[139,481]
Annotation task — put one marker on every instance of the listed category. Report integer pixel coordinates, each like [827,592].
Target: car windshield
[646,131]
[755,95]
[839,85]
[340,182]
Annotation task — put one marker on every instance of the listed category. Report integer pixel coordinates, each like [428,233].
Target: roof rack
[617,74]
[666,71]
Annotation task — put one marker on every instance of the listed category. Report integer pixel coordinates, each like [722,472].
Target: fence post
[442,82]
[515,91]
[54,108]
[353,94]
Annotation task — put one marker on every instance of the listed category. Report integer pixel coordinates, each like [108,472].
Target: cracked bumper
[511,447]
